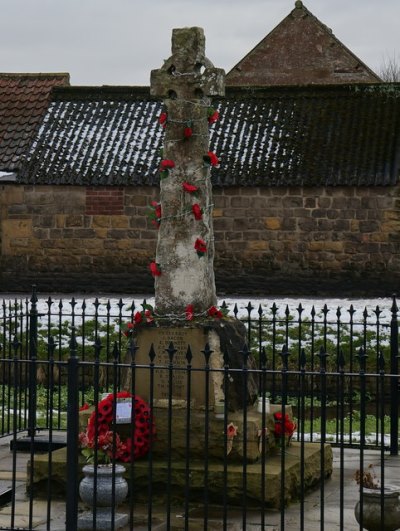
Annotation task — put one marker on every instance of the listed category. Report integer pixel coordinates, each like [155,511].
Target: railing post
[72,437]
[394,384]
[33,333]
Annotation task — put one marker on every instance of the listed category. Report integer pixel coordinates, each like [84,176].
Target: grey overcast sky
[118,42]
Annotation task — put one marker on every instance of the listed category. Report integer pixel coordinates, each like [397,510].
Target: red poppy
[105,407]
[211,158]
[214,312]
[189,312]
[197,212]
[200,246]
[231,430]
[84,407]
[163,119]
[167,164]
[214,117]
[155,213]
[138,318]
[191,188]
[283,425]
[155,269]
[187,132]
[129,329]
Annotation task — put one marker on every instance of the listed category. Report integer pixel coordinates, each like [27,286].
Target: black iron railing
[338,377]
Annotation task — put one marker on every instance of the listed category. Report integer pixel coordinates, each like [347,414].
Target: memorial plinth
[225,340]
[216,484]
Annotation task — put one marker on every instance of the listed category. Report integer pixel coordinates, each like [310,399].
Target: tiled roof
[304,135]
[23,101]
[300,49]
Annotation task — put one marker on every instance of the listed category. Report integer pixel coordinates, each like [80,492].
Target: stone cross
[185,246]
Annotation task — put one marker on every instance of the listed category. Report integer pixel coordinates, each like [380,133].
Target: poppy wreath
[144,429]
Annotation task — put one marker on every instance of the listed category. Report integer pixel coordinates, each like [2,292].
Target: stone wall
[342,240]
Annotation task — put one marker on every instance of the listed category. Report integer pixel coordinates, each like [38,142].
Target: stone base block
[257,489]
[104,521]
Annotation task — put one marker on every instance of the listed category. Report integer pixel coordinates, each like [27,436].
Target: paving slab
[312,503]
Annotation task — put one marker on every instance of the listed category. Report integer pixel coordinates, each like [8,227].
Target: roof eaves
[83,93]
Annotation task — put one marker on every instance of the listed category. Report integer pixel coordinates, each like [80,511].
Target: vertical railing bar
[16,348]
[300,310]
[33,325]
[312,378]
[322,355]
[152,355]
[4,363]
[83,352]
[245,354]
[21,376]
[362,357]
[341,367]
[338,342]
[132,349]
[394,381]
[116,360]
[274,310]
[171,350]
[263,364]
[381,379]
[284,376]
[50,349]
[225,465]
[377,312]
[249,309]
[207,353]
[59,348]
[188,430]
[302,363]
[351,368]
[72,436]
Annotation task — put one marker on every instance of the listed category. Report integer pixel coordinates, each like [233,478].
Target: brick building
[305,199]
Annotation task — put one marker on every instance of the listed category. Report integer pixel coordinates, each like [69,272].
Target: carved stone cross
[185,246]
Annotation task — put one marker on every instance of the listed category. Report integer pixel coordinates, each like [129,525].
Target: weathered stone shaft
[186,277]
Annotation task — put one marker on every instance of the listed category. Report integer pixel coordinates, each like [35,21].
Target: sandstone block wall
[267,240]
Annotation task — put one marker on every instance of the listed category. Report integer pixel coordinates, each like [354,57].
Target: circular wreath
[123,449]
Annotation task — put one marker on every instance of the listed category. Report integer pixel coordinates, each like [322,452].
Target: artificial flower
[211,158]
[167,164]
[187,132]
[155,269]
[155,213]
[200,246]
[189,312]
[214,312]
[284,427]
[231,430]
[84,407]
[197,212]
[190,188]
[163,119]
[213,116]
[138,318]
[129,329]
